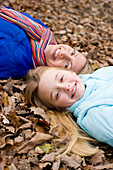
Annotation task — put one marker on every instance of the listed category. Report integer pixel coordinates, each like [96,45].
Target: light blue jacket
[94,111]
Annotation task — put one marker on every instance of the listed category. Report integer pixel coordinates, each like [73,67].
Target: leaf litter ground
[25,138]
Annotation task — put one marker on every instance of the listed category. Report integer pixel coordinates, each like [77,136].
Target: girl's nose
[65,87]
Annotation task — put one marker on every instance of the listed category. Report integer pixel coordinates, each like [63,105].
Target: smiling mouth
[56,52]
[74,91]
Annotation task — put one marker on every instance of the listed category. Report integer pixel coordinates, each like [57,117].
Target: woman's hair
[78,143]
[87,69]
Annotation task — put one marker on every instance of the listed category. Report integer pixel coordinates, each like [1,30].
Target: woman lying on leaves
[87,97]
[27,43]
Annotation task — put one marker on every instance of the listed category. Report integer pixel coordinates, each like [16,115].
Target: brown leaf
[9,141]
[56,165]
[12,167]
[95,65]
[48,157]
[62,32]
[53,130]
[20,87]
[43,165]
[34,160]
[5,99]
[97,158]
[77,158]
[24,119]
[6,110]
[65,139]
[24,165]
[1,163]
[87,27]
[10,129]
[109,59]
[25,126]
[3,140]
[99,167]
[69,162]
[28,133]
[37,139]
[5,120]
[64,38]
[39,111]
[19,139]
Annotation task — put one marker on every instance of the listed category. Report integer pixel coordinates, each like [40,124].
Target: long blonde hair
[79,142]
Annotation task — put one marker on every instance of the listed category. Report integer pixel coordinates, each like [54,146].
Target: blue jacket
[15,50]
[94,111]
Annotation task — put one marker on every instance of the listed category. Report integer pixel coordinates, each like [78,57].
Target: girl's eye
[57,95]
[73,52]
[62,78]
[66,65]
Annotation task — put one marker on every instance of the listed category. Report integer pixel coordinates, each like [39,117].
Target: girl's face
[60,88]
[64,56]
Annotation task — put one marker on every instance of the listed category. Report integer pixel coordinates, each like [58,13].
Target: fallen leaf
[56,165]
[12,167]
[19,139]
[37,139]
[48,157]
[97,158]
[99,167]
[69,162]
[43,165]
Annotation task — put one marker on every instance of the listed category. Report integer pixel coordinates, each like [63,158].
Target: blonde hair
[79,142]
[87,69]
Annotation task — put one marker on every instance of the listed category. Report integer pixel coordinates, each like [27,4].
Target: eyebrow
[52,91]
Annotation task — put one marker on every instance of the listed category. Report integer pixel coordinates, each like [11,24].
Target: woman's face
[60,88]
[64,56]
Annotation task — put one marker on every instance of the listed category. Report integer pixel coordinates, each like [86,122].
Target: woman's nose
[63,54]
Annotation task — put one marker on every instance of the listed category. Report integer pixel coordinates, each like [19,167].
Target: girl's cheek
[64,100]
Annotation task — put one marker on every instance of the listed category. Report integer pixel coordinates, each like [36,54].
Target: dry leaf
[97,158]
[56,165]
[43,165]
[107,166]
[69,162]
[87,27]
[37,139]
[48,157]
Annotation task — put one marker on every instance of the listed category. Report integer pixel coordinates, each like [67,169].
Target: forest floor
[25,139]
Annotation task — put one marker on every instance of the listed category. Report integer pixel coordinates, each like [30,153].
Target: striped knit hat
[40,36]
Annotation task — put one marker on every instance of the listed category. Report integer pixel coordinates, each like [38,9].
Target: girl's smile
[64,56]
[60,88]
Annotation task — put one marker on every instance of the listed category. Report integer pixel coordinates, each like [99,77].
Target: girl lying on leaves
[26,43]
[88,97]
